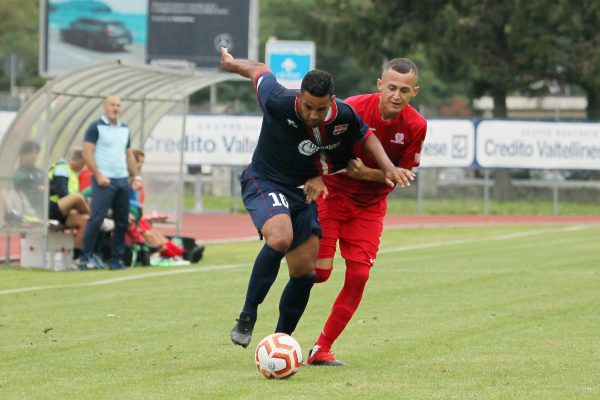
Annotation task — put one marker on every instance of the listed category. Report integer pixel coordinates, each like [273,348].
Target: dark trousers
[115,196]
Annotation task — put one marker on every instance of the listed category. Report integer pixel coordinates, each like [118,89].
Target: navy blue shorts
[55,213]
[264,199]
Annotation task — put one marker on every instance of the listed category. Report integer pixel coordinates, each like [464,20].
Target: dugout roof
[57,115]
[74,100]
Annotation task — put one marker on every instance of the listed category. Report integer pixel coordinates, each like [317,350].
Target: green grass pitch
[449,313]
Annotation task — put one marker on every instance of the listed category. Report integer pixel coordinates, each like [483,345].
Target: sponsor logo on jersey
[339,129]
[398,138]
[292,123]
[308,148]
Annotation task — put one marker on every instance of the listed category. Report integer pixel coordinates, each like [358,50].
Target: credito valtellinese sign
[538,145]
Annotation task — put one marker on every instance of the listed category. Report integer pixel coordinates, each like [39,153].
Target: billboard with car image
[76,33]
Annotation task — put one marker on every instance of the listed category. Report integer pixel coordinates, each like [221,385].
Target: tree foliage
[576,48]
[19,33]
[463,48]
[476,47]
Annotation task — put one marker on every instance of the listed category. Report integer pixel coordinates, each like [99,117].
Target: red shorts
[358,228]
[144,225]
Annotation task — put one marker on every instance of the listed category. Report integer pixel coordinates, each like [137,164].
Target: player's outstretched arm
[246,68]
[391,174]
[358,170]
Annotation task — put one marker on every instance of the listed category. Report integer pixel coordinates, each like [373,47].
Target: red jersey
[85,178]
[402,140]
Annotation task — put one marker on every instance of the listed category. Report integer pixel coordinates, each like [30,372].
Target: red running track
[211,228]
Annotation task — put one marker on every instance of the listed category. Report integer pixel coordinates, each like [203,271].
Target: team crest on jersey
[339,129]
[398,138]
[292,123]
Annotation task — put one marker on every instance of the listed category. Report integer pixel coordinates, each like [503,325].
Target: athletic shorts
[358,228]
[55,213]
[264,199]
[144,225]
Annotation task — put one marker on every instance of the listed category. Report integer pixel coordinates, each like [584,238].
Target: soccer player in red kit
[354,210]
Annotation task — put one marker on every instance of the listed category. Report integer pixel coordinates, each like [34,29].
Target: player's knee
[78,197]
[322,274]
[357,273]
[303,276]
[279,242]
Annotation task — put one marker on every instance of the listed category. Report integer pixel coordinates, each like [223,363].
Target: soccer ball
[278,356]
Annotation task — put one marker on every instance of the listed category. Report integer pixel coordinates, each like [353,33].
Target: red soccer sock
[178,251]
[171,250]
[345,304]
[167,252]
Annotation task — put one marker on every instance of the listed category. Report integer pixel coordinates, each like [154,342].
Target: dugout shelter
[58,114]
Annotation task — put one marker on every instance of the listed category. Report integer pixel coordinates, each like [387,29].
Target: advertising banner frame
[69,39]
[538,144]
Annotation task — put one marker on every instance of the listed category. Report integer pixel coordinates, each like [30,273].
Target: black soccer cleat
[242,331]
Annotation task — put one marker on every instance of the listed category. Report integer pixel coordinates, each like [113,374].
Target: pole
[47,139]
[555,197]
[198,193]
[142,120]
[213,97]
[420,189]
[13,74]
[181,158]
[486,192]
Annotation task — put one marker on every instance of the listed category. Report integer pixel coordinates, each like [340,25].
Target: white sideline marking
[499,237]
[126,278]
[541,231]
[234,266]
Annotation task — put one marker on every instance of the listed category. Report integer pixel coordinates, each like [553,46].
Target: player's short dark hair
[318,83]
[402,65]
[29,147]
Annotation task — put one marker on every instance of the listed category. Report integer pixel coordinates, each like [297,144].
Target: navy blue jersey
[289,152]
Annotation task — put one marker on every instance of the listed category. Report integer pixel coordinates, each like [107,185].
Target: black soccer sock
[264,273]
[293,302]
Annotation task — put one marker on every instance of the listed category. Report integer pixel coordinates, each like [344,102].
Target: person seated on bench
[140,228]
[66,204]
[28,181]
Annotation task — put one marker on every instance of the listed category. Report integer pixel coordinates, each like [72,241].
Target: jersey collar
[107,122]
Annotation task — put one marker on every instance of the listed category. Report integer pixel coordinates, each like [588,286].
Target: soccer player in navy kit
[305,134]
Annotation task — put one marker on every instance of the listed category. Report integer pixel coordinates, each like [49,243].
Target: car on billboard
[97,34]
[79,6]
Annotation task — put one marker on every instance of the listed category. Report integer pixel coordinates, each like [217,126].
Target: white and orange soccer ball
[278,356]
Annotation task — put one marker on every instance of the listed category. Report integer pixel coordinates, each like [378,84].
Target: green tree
[19,35]
[315,20]
[576,48]
[354,39]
